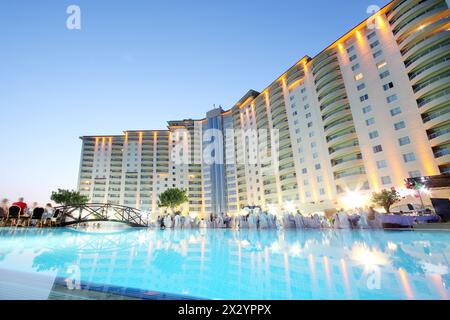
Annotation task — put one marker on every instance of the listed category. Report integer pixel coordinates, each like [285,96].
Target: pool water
[228,264]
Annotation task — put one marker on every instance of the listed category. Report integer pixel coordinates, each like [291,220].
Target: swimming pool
[227,264]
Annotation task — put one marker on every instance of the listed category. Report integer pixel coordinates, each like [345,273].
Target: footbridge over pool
[100,212]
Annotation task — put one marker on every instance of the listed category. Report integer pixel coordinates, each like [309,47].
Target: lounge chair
[37,215]
[14,215]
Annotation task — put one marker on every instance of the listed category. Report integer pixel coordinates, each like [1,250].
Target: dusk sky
[136,65]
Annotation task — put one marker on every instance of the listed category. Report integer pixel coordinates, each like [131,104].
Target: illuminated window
[381,64]
[359,76]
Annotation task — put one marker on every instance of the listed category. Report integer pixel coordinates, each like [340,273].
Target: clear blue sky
[134,65]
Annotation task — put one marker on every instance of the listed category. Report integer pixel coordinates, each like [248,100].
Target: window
[322,191]
[302,160]
[315,155]
[308,115]
[392,98]
[355,67]
[359,76]
[414,174]
[352,48]
[291,98]
[396,111]
[404,141]
[306,182]
[361,86]
[353,57]
[311,134]
[388,86]
[377,54]
[409,157]
[313,144]
[317,166]
[374,44]
[308,194]
[381,64]
[385,74]
[370,121]
[310,124]
[400,125]
[377,149]
[364,98]
[381,164]
[367,109]
[371,35]
[306,106]
[373,134]
[303,90]
[386,180]
[304,171]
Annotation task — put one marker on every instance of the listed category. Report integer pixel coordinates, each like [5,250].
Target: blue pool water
[226,264]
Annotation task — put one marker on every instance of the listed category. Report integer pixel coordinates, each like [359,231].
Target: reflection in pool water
[248,264]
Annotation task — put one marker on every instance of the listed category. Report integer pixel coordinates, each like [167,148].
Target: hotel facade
[369,111]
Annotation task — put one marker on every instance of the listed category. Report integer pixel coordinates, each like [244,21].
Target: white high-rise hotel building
[370,110]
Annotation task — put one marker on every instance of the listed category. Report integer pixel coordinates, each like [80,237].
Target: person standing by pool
[48,213]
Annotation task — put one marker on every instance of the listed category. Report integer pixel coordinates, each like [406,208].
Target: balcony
[439,137]
[406,26]
[331,69]
[341,137]
[339,125]
[429,54]
[435,118]
[433,83]
[442,156]
[333,105]
[338,114]
[433,100]
[348,163]
[346,178]
[342,151]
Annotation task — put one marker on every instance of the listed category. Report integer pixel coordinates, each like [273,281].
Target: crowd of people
[360,218]
[25,214]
